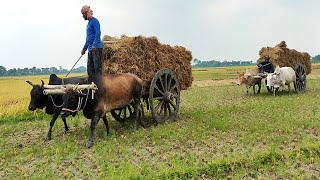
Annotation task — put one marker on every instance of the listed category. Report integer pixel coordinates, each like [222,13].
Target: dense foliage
[38,71]
[213,63]
[316,59]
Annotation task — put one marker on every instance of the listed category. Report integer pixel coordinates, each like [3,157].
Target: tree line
[213,63]
[316,59]
[38,71]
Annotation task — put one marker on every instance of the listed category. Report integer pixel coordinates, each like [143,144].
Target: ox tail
[139,87]
[139,80]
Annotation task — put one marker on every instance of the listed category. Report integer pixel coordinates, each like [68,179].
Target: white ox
[281,77]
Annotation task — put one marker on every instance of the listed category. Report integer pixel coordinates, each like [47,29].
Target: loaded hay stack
[144,57]
[283,56]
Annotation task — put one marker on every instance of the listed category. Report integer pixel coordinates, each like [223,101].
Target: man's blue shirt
[93,35]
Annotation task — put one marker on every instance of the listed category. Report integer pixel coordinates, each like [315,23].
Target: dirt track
[205,83]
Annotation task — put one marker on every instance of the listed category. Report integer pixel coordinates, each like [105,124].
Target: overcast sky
[52,33]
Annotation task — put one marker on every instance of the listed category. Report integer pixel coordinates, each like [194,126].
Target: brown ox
[248,79]
[114,91]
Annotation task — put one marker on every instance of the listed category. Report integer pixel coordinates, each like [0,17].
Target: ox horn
[42,83]
[30,83]
[75,88]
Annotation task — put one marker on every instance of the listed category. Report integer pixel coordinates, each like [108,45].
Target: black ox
[53,104]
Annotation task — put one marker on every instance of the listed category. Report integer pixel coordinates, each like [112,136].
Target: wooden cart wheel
[164,95]
[125,113]
[122,114]
[301,81]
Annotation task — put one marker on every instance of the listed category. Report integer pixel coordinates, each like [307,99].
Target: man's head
[267,58]
[86,12]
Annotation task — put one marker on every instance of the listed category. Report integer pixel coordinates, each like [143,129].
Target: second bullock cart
[283,56]
[301,79]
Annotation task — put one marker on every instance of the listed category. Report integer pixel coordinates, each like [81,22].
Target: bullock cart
[164,70]
[301,78]
[285,57]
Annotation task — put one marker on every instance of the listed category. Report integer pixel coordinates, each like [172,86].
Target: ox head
[276,79]
[269,79]
[71,99]
[245,78]
[241,79]
[38,99]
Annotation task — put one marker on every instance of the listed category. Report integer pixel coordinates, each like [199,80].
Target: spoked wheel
[122,114]
[125,113]
[301,79]
[164,96]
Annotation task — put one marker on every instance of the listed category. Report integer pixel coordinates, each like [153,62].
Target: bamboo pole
[53,92]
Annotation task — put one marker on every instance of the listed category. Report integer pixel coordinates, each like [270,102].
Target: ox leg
[259,86]
[94,121]
[141,115]
[66,128]
[53,120]
[147,103]
[104,118]
[247,89]
[254,89]
[289,88]
[136,106]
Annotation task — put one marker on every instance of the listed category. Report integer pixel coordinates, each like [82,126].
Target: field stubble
[221,132]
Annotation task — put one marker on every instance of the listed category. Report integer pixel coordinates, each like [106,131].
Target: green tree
[316,58]
[3,71]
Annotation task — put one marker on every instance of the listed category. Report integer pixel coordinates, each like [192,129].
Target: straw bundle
[144,57]
[283,56]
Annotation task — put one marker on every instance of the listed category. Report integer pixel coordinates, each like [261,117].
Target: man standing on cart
[93,42]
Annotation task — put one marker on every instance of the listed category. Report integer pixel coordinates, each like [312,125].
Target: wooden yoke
[60,89]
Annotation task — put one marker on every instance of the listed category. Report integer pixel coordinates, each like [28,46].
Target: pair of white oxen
[279,78]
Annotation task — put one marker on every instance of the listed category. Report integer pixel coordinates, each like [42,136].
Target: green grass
[220,132]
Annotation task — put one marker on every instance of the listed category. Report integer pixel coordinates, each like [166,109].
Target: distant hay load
[283,56]
[144,57]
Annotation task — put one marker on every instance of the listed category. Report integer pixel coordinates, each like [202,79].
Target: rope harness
[79,104]
[55,103]
[62,79]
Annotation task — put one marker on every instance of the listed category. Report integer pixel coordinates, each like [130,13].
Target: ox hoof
[143,124]
[48,138]
[109,135]
[66,130]
[90,144]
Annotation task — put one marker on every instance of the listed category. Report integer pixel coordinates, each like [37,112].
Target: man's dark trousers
[94,62]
